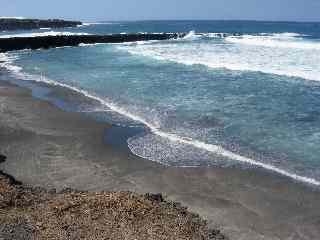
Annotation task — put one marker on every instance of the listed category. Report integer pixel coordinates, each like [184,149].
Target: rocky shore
[10,24]
[20,43]
[36,213]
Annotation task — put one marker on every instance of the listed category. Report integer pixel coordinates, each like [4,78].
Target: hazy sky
[92,10]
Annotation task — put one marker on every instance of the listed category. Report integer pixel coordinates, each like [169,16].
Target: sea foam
[192,36]
[96,23]
[288,40]
[270,54]
[176,139]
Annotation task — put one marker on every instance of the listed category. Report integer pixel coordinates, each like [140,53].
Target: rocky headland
[11,24]
[20,43]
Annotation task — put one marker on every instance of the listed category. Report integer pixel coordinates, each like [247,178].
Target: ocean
[231,93]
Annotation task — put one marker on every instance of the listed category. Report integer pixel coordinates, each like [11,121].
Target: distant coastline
[12,24]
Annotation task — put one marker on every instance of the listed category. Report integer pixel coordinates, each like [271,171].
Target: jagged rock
[20,43]
[2,158]
[154,197]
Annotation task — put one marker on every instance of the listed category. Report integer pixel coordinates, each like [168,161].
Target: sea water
[229,93]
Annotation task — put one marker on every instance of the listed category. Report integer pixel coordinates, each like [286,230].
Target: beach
[48,147]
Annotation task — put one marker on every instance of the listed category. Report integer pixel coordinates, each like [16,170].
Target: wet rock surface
[20,43]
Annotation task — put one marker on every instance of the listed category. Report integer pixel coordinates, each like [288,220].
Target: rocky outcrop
[2,158]
[20,43]
[9,24]
[36,213]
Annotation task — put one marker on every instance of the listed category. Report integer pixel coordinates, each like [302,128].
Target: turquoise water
[250,95]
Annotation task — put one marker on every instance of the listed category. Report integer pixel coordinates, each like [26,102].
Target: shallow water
[250,95]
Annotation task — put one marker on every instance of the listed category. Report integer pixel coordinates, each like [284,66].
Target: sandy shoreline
[52,148]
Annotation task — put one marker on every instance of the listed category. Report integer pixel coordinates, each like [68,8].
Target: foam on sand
[174,138]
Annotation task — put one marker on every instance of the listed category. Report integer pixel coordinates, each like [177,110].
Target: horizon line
[169,19]
[222,20]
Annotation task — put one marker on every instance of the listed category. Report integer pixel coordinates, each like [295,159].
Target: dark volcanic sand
[51,148]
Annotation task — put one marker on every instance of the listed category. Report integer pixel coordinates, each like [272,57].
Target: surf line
[172,137]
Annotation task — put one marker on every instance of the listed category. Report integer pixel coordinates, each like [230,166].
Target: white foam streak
[174,138]
[233,66]
[154,129]
[215,35]
[292,62]
[191,36]
[275,41]
[286,35]
[96,23]
[7,63]
[90,44]
[12,18]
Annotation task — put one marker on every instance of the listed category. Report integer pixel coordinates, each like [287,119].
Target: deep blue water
[208,99]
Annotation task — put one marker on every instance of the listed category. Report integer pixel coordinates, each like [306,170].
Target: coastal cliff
[10,24]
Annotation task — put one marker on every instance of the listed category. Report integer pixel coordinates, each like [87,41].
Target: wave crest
[278,40]
[192,36]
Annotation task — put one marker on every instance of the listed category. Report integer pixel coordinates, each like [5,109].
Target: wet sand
[49,147]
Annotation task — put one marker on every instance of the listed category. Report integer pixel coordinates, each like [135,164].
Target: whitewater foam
[90,44]
[286,35]
[284,40]
[154,129]
[279,40]
[95,23]
[222,53]
[192,36]
[7,61]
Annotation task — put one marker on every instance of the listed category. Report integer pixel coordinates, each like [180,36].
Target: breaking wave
[285,40]
[7,61]
[287,54]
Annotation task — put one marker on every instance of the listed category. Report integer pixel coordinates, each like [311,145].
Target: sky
[116,10]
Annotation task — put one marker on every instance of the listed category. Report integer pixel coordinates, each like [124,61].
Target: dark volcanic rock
[35,213]
[154,197]
[2,158]
[20,43]
[11,179]
[9,24]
